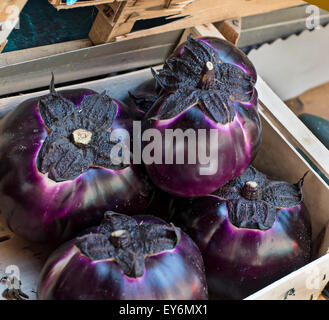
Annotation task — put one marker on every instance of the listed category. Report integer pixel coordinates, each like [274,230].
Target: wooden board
[10,9]
[298,133]
[18,56]
[77,65]
[61,4]
[191,12]
[231,29]
[118,18]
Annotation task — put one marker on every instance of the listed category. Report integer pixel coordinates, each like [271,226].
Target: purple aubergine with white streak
[251,232]
[57,175]
[134,258]
[207,85]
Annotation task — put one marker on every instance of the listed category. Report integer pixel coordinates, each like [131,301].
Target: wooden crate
[9,17]
[115,20]
[278,143]
[61,4]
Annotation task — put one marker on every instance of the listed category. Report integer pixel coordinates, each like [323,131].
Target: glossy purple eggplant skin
[238,140]
[241,261]
[41,210]
[176,274]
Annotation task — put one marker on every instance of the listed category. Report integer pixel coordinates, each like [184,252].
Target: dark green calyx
[198,77]
[79,136]
[253,200]
[128,242]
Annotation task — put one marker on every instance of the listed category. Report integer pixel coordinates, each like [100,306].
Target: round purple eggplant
[208,99]
[133,258]
[251,232]
[57,176]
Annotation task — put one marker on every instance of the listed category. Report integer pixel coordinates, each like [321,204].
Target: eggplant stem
[209,65]
[52,83]
[251,191]
[81,136]
[209,76]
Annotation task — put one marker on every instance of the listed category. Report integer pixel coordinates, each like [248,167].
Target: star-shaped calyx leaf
[128,242]
[199,77]
[79,136]
[253,199]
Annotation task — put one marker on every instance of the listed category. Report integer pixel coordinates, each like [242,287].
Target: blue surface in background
[41,24]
